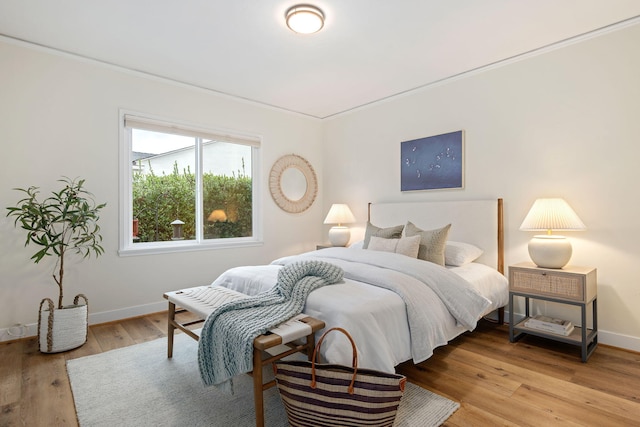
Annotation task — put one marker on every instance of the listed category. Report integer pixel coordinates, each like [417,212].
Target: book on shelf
[550,324]
[538,327]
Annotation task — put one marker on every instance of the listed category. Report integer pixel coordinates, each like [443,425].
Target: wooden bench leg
[258,390]
[171,318]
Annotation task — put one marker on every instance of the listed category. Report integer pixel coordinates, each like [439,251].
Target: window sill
[185,246]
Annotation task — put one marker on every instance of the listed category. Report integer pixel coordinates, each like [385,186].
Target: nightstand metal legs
[583,336]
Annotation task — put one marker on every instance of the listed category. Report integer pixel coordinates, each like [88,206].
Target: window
[185,187]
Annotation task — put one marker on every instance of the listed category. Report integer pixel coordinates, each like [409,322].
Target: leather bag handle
[354,362]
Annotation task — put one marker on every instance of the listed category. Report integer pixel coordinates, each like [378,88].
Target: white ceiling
[367,51]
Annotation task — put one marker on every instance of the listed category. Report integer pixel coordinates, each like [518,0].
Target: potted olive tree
[65,221]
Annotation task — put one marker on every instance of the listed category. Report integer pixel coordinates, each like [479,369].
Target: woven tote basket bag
[328,395]
[62,329]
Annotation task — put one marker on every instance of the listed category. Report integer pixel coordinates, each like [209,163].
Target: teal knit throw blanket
[225,348]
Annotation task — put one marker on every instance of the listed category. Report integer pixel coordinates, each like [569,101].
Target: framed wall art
[433,163]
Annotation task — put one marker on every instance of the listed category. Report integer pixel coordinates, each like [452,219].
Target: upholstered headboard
[479,222]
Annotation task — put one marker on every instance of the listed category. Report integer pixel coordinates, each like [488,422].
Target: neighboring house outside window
[186,188]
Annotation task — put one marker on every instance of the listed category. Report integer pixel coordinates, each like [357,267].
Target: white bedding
[378,318]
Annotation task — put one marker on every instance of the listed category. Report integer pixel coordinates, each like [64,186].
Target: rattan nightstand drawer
[541,283]
[573,284]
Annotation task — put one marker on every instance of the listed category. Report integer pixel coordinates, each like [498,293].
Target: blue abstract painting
[434,162]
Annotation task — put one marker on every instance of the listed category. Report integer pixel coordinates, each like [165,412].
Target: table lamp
[551,250]
[339,235]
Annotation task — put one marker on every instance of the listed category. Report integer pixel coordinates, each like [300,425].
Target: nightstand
[569,285]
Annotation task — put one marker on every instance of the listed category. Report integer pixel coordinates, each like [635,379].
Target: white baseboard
[125,313]
[31,330]
[626,342]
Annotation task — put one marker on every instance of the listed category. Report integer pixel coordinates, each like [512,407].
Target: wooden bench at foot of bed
[261,344]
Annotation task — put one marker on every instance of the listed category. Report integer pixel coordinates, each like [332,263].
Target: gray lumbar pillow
[385,233]
[432,242]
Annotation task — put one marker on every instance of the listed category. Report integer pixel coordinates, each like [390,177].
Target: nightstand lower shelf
[588,343]
[586,339]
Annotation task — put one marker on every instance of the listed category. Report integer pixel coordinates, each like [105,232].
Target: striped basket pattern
[334,395]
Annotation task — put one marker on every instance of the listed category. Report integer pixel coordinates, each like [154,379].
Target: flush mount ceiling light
[304,19]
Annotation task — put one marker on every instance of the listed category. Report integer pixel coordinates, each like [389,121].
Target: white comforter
[413,307]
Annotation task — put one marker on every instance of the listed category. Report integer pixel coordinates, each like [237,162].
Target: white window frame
[126,245]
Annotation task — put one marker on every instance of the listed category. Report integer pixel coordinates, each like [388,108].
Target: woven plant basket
[62,329]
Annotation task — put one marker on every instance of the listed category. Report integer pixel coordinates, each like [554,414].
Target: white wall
[59,116]
[564,123]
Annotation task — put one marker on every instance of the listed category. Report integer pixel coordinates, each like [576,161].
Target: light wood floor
[534,382]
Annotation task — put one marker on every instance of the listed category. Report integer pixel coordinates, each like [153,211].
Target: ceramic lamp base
[550,251]
[339,235]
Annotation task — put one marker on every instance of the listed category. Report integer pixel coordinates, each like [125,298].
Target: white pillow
[408,246]
[458,254]
[357,245]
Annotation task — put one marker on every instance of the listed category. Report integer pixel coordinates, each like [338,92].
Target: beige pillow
[432,242]
[408,246]
[386,233]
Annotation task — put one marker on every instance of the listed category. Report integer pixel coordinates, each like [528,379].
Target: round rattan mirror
[293,183]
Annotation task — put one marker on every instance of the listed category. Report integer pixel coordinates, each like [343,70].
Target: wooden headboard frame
[486,215]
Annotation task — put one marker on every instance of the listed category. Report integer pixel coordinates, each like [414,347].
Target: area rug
[139,386]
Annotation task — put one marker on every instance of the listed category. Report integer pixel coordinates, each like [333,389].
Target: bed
[398,308]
